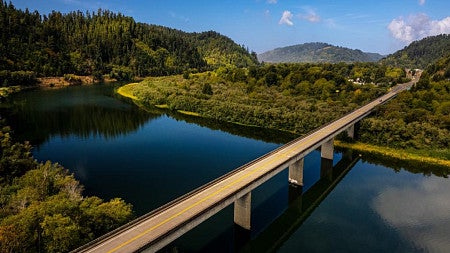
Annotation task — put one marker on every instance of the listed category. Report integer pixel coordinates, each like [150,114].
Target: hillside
[420,54]
[317,52]
[103,42]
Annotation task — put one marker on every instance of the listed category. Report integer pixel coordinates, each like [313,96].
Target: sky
[378,26]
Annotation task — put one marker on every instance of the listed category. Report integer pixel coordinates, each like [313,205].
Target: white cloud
[275,1]
[311,16]
[286,18]
[417,27]
[176,16]
[420,212]
[421,2]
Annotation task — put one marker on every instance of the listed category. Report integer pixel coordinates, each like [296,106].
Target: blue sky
[381,26]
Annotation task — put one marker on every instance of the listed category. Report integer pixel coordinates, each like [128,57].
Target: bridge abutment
[242,211]
[296,172]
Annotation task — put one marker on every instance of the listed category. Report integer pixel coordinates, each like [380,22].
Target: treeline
[41,205]
[418,118]
[290,97]
[103,42]
[420,54]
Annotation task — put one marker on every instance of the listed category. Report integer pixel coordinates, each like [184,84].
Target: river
[357,204]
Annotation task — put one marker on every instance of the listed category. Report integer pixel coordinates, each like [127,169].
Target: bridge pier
[326,150]
[296,172]
[242,211]
[351,131]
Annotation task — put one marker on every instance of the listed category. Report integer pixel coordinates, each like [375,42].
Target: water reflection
[420,212]
[82,111]
[415,167]
[301,205]
[256,133]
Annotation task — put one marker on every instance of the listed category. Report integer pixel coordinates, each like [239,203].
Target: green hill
[317,52]
[420,54]
[104,42]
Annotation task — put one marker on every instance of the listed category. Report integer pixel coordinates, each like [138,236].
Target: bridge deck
[163,222]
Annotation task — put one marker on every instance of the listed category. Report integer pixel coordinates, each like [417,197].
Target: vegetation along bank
[300,97]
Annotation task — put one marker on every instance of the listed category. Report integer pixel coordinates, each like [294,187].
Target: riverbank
[175,96]
[126,91]
[433,157]
[69,80]
[6,91]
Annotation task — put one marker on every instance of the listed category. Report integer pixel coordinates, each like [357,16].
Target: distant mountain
[420,54]
[317,52]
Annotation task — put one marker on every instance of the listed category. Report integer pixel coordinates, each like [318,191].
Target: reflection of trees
[82,120]
[257,133]
[415,167]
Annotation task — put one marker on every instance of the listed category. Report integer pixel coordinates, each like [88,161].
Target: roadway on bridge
[167,219]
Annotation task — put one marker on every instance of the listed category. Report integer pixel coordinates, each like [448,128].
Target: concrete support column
[296,172]
[327,150]
[351,131]
[242,211]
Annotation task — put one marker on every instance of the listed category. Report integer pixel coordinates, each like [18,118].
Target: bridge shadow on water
[274,219]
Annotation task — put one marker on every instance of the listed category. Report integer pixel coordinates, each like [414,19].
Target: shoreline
[61,81]
[399,154]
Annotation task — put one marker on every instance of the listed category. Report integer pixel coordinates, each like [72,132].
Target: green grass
[128,91]
[189,113]
[437,157]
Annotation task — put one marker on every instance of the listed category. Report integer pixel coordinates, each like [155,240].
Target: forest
[420,54]
[42,206]
[300,97]
[289,97]
[418,118]
[104,43]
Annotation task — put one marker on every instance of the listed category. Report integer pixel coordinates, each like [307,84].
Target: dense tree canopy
[41,206]
[104,43]
[418,118]
[291,97]
[420,54]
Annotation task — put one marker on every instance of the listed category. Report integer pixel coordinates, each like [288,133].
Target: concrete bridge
[301,205]
[158,228]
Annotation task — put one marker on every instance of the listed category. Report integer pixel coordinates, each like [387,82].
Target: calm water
[357,204]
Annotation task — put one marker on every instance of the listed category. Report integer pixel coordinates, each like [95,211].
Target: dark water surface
[356,204]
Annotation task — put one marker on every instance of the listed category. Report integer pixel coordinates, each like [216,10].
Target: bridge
[158,228]
[301,206]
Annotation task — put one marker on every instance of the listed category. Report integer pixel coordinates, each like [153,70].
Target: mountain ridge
[317,52]
[421,53]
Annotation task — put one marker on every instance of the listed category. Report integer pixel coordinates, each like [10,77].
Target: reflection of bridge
[160,227]
[301,205]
